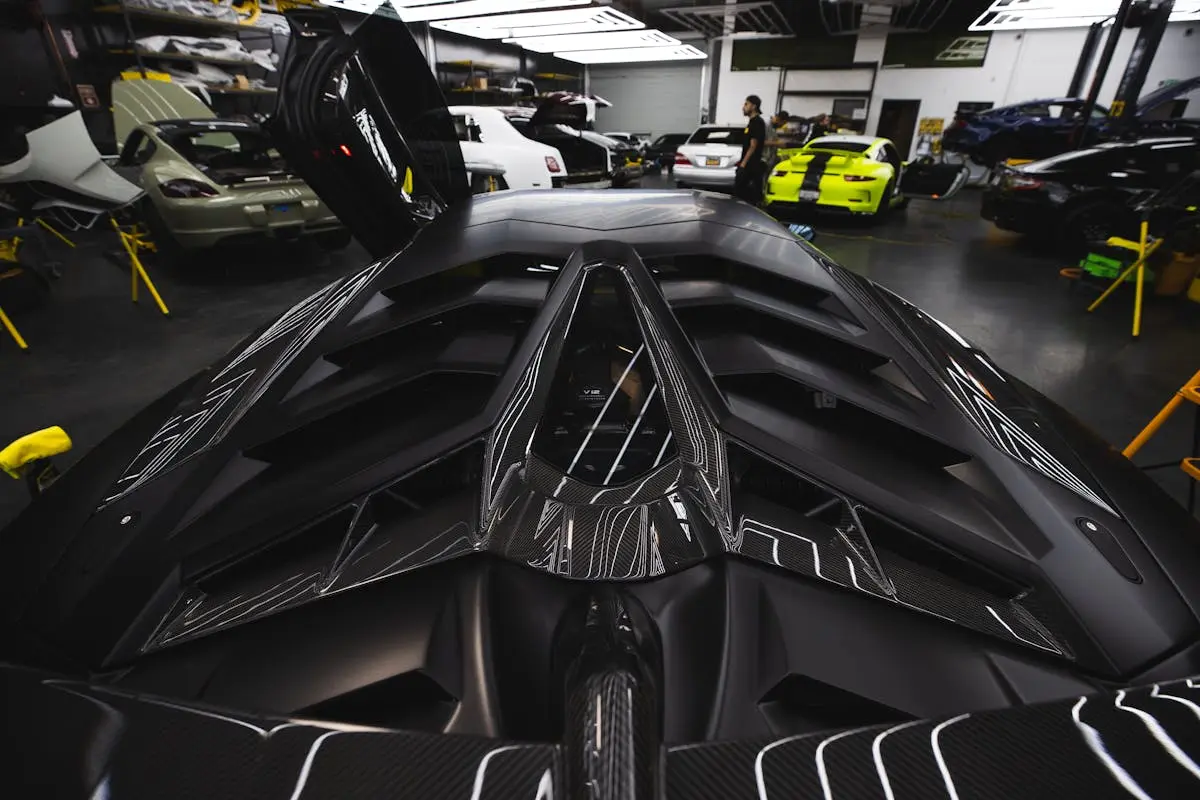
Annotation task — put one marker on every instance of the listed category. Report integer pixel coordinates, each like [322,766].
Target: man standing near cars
[748,182]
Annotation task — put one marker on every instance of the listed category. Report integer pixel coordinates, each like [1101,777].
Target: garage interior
[385,376]
[94,358]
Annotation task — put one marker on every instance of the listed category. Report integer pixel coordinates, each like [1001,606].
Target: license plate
[712,162]
[282,207]
[810,194]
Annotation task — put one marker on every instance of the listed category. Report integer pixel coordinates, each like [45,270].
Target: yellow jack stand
[1189,392]
[53,230]
[134,239]
[12,330]
[8,254]
[1145,249]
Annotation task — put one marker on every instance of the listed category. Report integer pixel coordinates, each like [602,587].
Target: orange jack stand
[133,240]
[1189,392]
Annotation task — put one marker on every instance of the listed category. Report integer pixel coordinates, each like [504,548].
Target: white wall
[1019,66]
[733,87]
[1030,65]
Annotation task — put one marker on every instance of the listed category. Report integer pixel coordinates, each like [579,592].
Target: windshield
[839,144]
[717,136]
[670,139]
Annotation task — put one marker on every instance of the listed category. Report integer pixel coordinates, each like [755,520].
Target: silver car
[708,159]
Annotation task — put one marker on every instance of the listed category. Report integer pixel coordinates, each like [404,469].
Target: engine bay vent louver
[418,520]
[794,522]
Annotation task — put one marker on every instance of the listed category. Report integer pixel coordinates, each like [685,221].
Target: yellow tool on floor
[8,254]
[28,458]
[1190,393]
[12,330]
[1145,248]
[133,239]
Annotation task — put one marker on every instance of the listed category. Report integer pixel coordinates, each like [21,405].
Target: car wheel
[681,185]
[1094,222]
[997,150]
[166,247]
[333,240]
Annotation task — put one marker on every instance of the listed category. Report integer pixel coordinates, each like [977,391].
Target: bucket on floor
[1177,275]
[1194,290]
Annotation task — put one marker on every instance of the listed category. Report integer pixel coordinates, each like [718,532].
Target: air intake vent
[420,519]
[412,702]
[794,522]
[818,413]
[799,704]
[694,280]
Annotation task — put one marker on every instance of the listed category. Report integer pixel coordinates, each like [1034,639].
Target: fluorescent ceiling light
[595,19]
[474,8]
[1011,15]
[596,41]
[684,52]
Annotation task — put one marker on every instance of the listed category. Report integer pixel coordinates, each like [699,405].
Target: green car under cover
[209,180]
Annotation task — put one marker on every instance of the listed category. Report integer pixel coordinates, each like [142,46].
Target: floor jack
[1189,392]
[29,458]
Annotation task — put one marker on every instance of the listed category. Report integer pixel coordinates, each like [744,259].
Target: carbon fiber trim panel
[1139,743]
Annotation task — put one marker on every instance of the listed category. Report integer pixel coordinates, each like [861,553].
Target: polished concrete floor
[95,358]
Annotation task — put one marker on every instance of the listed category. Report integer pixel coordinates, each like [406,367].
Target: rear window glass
[834,144]
[717,136]
[670,139]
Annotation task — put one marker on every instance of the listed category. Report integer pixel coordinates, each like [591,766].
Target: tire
[166,247]
[996,150]
[1094,222]
[333,240]
[681,185]
[885,202]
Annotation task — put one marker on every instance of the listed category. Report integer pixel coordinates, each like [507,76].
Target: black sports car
[1085,196]
[1042,128]
[660,154]
[590,495]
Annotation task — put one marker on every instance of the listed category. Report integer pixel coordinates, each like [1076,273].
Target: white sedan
[708,159]
[486,136]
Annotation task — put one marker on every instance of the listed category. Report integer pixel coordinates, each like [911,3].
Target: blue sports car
[1038,129]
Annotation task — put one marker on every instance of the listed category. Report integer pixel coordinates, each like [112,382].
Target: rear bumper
[1013,214]
[835,195]
[200,223]
[706,176]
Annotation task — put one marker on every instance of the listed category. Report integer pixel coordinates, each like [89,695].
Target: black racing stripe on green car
[815,171]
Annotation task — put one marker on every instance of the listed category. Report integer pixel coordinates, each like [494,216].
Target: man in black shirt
[748,184]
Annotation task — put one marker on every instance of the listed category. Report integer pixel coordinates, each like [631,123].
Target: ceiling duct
[845,17]
[761,17]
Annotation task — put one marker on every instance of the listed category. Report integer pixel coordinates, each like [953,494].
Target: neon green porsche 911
[858,174]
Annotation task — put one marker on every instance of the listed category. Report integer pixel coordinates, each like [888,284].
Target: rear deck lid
[138,102]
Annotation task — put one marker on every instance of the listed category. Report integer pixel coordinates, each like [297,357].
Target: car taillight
[960,123]
[857,178]
[552,164]
[183,187]
[680,158]
[1021,182]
